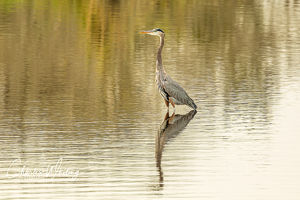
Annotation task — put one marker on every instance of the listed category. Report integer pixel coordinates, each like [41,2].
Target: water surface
[80,115]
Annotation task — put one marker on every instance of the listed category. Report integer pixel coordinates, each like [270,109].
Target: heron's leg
[167,103]
[172,117]
[167,115]
[173,104]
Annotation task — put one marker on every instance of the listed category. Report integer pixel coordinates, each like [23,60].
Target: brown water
[81,118]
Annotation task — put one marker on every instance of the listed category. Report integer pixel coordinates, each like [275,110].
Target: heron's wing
[176,91]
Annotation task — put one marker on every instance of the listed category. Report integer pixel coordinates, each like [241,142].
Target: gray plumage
[169,89]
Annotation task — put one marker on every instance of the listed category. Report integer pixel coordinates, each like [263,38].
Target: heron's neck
[159,66]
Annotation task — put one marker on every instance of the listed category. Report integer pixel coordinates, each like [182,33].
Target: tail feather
[192,105]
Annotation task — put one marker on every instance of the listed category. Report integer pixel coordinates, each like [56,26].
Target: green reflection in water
[76,79]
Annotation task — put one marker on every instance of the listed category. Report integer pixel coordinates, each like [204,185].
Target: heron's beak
[146,32]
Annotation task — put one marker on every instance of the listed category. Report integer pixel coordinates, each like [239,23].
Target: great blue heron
[170,90]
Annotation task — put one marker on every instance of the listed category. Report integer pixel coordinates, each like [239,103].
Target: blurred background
[77,82]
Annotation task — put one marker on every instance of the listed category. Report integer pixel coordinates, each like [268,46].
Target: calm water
[81,118]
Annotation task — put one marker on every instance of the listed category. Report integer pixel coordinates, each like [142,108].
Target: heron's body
[169,89]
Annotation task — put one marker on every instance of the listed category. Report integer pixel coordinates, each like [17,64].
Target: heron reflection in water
[169,89]
[170,128]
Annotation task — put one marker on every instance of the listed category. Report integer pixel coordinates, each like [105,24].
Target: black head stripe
[158,29]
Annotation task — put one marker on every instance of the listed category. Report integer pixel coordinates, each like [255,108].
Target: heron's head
[156,31]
